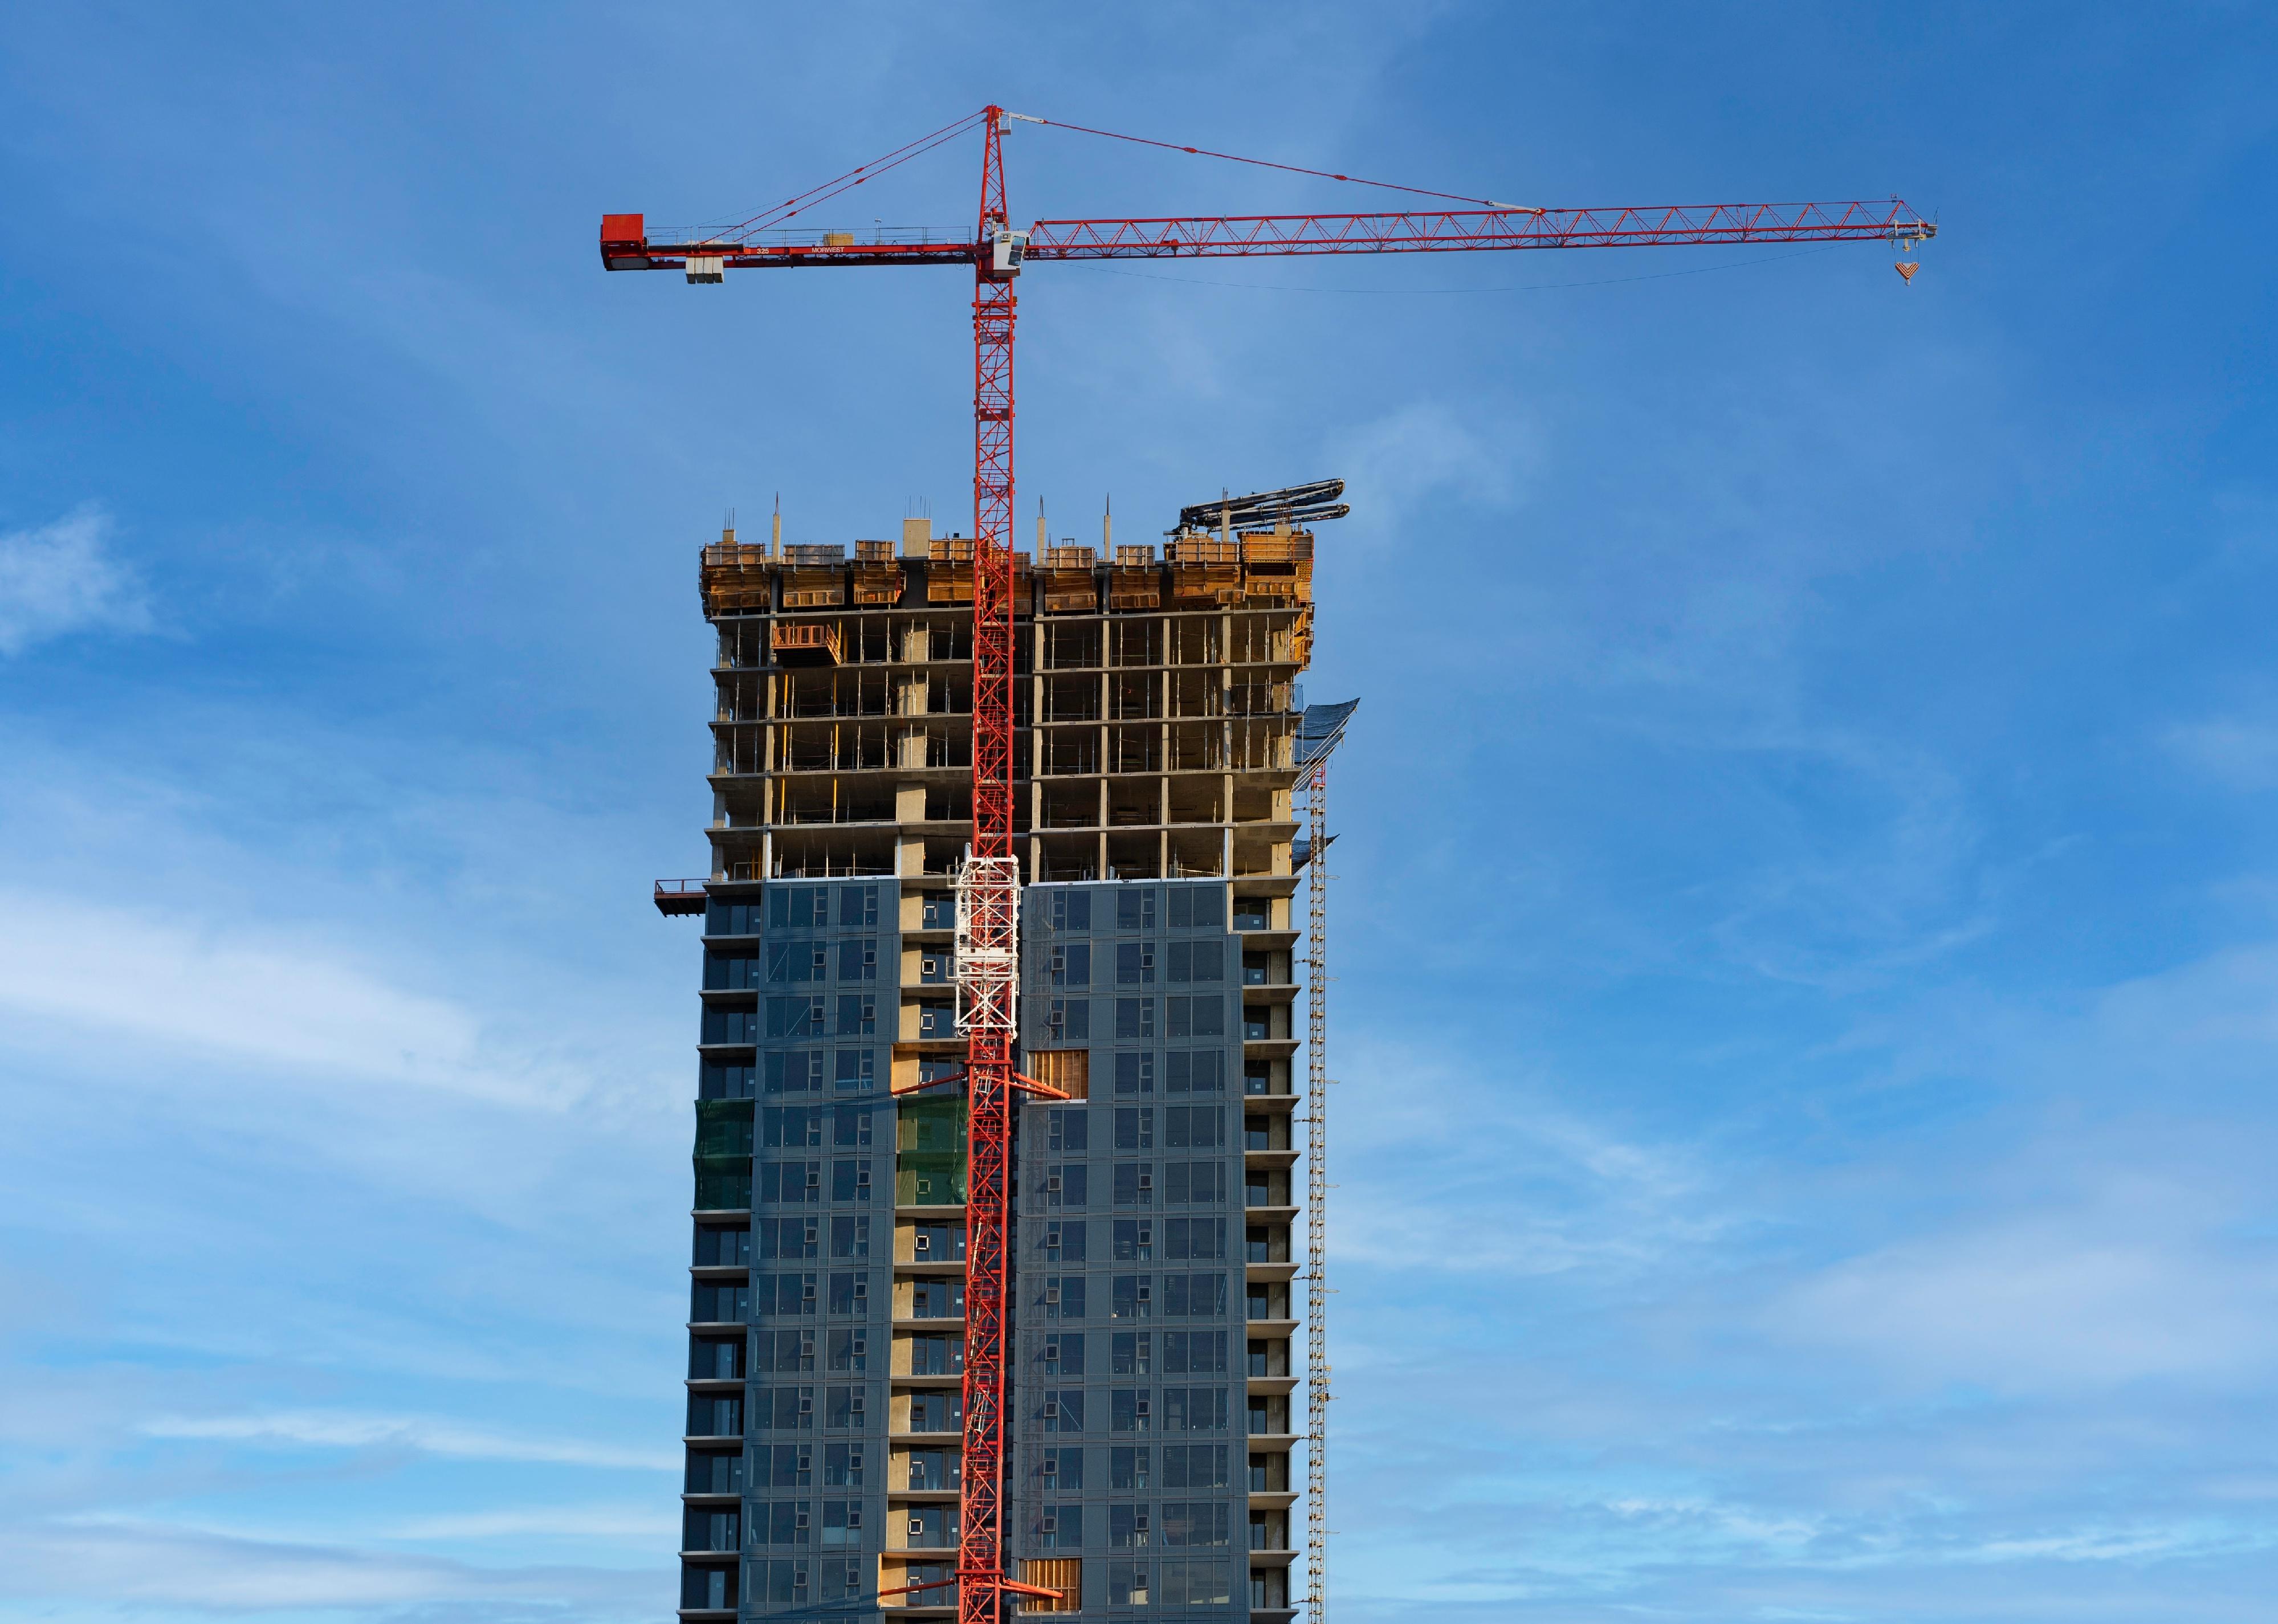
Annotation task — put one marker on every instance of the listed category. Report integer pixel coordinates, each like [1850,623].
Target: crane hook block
[1905,268]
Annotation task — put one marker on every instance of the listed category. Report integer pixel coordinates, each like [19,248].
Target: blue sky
[1808,900]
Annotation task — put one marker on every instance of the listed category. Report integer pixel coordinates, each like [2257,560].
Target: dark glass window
[1198,905]
[798,907]
[1199,1183]
[790,1126]
[795,1071]
[850,1238]
[1133,1298]
[784,1353]
[1135,1073]
[1068,1019]
[1200,1017]
[797,961]
[1061,1297]
[789,1238]
[1195,1071]
[780,1295]
[795,1017]
[783,1465]
[732,1025]
[1197,961]
[1130,1409]
[1193,1353]
[1062,1409]
[721,1081]
[1062,1241]
[712,1471]
[717,1246]
[1194,1127]
[1066,1130]
[1195,1465]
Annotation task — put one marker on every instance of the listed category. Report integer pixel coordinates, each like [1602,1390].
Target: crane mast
[989,879]
[988,914]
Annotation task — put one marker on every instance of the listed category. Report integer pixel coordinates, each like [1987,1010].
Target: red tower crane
[988,900]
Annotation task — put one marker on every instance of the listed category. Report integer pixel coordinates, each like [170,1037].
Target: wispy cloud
[656,1523]
[349,1431]
[2041,1305]
[61,578]
[2238,751]
[155,1570]
[269,1001]
[1426,450]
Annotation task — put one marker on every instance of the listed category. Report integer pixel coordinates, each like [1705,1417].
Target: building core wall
[1152,1371]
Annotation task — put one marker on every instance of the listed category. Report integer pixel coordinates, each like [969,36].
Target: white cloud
[1426,450]
[61,578]
[273,1002]
[2239,752]
[2040,1303]
[159,1570]
[346,1430]
[657,1523]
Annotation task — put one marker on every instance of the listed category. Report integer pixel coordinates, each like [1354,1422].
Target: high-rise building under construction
[1148,1428]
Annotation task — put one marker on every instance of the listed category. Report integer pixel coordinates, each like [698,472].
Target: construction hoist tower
[1323,731]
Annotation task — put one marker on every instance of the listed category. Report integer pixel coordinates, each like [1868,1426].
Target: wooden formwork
[1201,583]
[877,578]
[1191,547]
[814,589]
[1067,1070]
[731,577]
[1135,586]
[1063,1574]
[949,583]
[806,642]
[1277,569]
